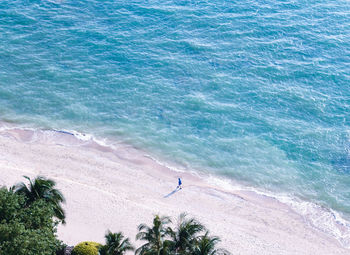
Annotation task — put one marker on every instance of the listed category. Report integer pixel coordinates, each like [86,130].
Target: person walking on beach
[180,184]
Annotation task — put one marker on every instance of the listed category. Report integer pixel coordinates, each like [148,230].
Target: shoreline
[119,188]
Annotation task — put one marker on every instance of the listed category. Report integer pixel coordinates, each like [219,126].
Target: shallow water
[257,91]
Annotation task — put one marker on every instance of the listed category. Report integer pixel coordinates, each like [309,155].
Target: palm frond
[42,188]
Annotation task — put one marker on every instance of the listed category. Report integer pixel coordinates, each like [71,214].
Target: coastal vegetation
[116,244]
[30,214]
[27,228]
[86,248]
[42,189]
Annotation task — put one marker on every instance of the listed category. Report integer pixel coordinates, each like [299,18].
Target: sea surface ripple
[254,90]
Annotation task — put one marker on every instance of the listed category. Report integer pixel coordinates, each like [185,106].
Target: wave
[326,220]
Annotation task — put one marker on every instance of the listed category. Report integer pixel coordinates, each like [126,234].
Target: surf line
[63,132]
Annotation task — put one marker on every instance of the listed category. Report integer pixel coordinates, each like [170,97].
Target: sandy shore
[118,189]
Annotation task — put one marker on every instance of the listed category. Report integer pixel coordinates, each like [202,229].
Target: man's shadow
[173,192]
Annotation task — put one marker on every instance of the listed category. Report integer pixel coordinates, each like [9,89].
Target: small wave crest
[324,219]
[319,217]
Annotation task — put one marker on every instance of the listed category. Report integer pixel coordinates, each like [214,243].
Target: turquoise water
[258,91]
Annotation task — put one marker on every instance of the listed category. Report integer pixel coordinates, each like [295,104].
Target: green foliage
[26,230]
[206,245]
[62,250]
[186,239]
[29,216]
[116,244]
[186,234]
[42,189]
[86,248]
[154,237]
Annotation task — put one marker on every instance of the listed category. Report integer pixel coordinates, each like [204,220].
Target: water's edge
[323,219]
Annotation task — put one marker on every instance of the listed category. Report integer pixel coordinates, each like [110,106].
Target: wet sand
[119,188]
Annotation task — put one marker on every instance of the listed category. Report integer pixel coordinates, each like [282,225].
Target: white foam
[317,216]
[323,219]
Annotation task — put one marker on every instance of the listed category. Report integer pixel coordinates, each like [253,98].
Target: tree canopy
[26,230]
[29,215]
[116,244]
[42,189]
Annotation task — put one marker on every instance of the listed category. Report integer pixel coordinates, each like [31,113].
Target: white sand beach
[119,189]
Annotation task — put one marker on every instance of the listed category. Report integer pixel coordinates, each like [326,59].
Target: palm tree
[154,237]
[185,235]
[206,245]
[42,188]
[116,244]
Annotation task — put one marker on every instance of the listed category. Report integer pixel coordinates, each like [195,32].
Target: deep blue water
[258,91]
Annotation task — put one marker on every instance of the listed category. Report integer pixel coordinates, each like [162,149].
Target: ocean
[254,92]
